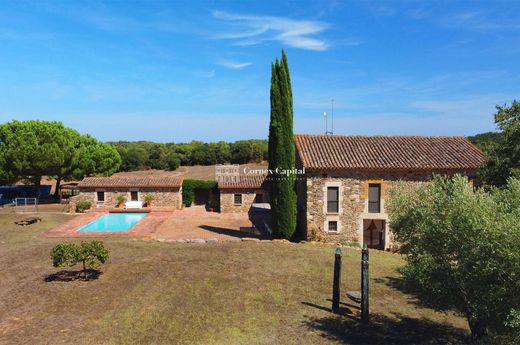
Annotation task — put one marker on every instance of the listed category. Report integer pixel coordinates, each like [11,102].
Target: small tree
[463,249]
[90,254]
[121,199]
[148,198]
[83,205]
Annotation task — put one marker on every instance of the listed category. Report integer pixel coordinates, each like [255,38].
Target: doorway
[374,233]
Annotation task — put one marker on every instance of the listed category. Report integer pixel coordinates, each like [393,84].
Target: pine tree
[282,152]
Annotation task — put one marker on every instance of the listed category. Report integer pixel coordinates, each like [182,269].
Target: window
[374,198]
[100,196]
[259,198]
[134,195]
[332,199]
[238,199]
[333,225]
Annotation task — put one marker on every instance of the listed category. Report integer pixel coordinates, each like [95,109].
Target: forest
[139,155]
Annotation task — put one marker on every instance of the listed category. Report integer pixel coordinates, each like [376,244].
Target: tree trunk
[57,190]
[37,184]
[477,327]
[84,270]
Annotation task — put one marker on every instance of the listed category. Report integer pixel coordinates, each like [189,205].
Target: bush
[83,205]
[148,198]
[314,234]
[121,199]
[189,186]
[463,250]
[90,254]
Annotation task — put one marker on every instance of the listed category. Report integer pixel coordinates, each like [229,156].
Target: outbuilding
[104,191]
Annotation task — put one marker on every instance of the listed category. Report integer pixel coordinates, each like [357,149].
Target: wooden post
[364,285]
[336,282]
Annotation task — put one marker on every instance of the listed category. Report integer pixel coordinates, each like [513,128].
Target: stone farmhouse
[348,180]
[103,191]
[343,183]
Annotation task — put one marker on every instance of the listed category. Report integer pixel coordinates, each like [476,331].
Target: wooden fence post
[336,282]
[364,285]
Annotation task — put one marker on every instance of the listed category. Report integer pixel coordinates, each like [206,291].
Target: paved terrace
[191,223]
[195,222]
[145,227]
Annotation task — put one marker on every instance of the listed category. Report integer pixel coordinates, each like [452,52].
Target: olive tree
[89,254]
[462,250]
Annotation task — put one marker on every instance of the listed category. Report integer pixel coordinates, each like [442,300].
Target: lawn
[219,293]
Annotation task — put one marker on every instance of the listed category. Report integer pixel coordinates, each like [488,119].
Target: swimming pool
[113,222]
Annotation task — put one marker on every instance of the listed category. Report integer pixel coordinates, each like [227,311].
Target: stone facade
[353,217]
[227,199]
[162,197]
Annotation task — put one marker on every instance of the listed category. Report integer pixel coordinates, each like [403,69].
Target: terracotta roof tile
[244,182]
[130,182]
[377,152]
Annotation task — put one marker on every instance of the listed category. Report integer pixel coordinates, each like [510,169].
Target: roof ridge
[378,135]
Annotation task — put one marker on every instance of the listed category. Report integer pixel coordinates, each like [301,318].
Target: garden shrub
[148,198]
[83,205]
[121,199]
[189,186]
[90,254]
[314,234]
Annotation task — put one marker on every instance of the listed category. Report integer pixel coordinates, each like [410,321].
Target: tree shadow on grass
[382,329]
[68,276]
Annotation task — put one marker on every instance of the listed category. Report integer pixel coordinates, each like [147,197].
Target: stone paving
[191,224]
[194,224]
[142,229]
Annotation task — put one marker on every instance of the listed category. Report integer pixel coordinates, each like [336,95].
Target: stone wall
[227,199]
[163,197]
[353,202]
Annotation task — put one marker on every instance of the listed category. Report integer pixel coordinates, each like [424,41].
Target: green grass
[224,293]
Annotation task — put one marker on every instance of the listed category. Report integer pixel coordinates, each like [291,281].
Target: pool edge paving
[145,227]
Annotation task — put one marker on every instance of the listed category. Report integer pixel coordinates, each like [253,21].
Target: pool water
[113,222]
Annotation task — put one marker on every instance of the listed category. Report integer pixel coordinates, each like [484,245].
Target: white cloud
[233,64]
[252,29]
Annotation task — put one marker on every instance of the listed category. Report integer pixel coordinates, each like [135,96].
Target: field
[219,293]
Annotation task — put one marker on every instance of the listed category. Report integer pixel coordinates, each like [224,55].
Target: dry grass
[201,172]
[225,293]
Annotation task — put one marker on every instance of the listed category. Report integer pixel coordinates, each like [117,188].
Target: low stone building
[238,195]
[348,179]
[103,191]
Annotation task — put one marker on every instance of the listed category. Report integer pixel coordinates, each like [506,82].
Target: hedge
[189,186]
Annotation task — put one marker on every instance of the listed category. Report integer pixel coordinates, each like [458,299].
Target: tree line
[138,155]
[32,149]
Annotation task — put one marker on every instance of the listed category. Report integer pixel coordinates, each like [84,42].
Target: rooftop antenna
[326,123]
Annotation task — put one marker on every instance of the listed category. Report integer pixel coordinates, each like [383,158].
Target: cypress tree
[282,151]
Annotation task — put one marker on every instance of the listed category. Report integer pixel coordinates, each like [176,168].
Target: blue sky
[182,70]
